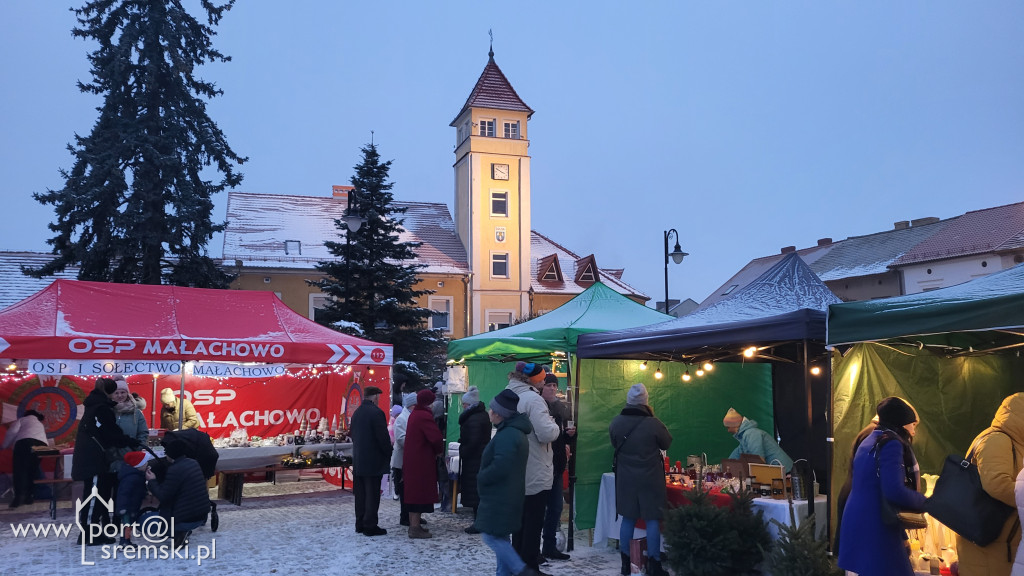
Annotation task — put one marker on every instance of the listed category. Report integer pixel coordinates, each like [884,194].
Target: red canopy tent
[240,340]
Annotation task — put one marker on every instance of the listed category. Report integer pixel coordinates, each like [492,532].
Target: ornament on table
[322,426]
[334,426]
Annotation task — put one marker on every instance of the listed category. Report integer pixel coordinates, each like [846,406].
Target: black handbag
[961,503]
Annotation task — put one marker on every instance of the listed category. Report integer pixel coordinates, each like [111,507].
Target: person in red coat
[423,444]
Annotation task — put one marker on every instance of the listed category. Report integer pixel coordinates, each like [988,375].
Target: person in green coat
[501,484]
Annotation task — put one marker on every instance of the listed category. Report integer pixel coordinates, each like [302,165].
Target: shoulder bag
[890,515]
[960,502]
[615,457]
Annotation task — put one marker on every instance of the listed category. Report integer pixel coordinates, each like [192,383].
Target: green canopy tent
[544,339]
[953,353]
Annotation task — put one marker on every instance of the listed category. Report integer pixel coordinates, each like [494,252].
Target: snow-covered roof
[286,231]
[16,286]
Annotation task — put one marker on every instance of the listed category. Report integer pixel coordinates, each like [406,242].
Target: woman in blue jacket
[884,467]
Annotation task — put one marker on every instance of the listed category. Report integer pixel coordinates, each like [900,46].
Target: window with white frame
[442,317]
[496,320]
[512,130]
[317,304]
[293,247]
[499,204]
[487,127]
[499,265]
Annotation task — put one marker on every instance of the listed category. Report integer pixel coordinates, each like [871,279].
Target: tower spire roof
[493,90]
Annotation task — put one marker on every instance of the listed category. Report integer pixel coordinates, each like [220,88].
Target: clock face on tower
[499,171]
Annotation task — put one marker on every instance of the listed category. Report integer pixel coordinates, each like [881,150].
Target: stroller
[199,447]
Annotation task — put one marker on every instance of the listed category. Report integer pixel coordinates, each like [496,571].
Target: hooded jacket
[97,431]
[753,440]
[474,434]
[640,477]
[539,469]
[998,452]
[169,415]
[502,481]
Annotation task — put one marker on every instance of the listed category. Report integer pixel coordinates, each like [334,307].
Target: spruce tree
[136,206]
[372,283]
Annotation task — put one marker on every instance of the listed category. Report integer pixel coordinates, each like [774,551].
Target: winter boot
[654,568]
[626,568]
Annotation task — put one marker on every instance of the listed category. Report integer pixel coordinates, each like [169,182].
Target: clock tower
[492,199]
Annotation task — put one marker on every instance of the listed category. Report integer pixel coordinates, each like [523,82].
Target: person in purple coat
[883,467]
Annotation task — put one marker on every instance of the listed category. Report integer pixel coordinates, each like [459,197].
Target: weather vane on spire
[490,32]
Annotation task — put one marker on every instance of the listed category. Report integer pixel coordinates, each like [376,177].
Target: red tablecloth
[675,495]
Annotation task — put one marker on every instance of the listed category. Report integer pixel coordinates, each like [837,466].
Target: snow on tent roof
[786,302]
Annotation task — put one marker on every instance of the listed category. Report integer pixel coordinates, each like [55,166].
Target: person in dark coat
[98,434]
[131,489]
[502,484]
[423,445]
[638,438]
[881,469]
[474,434]
[182,493]
[559,458]
[371,457]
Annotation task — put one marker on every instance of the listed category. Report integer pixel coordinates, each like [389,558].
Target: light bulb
[749,352]
[700,372]
[12,367]
[815,370]
[708,366]
[643,365]
[658,375]
[686,376]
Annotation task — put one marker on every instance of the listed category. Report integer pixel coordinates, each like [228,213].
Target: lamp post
[353,222]
[677,256]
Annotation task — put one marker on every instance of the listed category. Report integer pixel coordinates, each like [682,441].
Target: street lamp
[677,256]
[353,220]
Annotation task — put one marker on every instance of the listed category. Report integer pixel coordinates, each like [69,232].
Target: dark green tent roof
[980,314]
[596,309]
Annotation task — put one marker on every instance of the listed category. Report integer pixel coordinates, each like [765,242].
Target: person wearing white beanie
[638,439]
[398,454]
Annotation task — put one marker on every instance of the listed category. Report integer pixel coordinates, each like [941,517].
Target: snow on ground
[290,528]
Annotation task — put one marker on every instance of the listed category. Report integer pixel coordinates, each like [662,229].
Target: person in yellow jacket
[999,454]
[169,411]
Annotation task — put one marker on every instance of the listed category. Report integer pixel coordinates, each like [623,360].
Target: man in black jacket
[98,433]
[182,493]
[371,458]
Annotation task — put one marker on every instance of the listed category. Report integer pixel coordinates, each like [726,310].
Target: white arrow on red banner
[344,354]
[4,345]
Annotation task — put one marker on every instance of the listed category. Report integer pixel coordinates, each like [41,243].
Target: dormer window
[512,130]
[586,271]
[487,128]
[548,269]
[293,247]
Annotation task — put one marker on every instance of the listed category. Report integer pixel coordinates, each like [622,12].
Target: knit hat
[140,402]
[396,410]
[425,398]
[534,372]
[732,418]
[138,459]
[122,384]
[895,412]
[372,391]
[167,396]
[409,399]
[174,448]
[505,403]
[471,397]
[550,378]
[637,395]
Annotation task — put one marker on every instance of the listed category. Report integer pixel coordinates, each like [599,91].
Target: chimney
[901,225]
[341,192]
[788,249]
[824,241]
[923,221]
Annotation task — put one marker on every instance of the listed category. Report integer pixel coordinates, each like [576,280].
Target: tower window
[499,265]
[499,204]
[512,130]
[487,128]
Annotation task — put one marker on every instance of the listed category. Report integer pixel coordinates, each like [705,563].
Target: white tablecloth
[606,525]
[257,456]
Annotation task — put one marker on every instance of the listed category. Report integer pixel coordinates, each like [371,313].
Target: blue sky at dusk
[746,126]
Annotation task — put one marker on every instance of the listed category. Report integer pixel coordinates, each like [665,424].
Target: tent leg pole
[181,402]
[575,382]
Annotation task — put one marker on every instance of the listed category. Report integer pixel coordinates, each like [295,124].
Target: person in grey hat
[371,453]
[638,439]
[474,434]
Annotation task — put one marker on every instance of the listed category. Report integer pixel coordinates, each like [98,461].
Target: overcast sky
[746,126]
